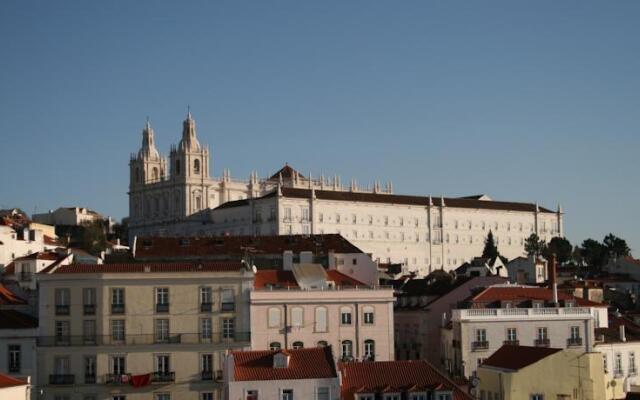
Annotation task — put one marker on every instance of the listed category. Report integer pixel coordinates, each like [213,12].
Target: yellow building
[538,373]
[140,331]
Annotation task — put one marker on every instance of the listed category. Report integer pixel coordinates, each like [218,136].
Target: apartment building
[311,307]
[517,315]
[293,374]
[140,331]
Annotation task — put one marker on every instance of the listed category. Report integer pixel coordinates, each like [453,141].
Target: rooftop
[181,267]
[9,381]
[8,297]
[494,295]
[306,363]
[394,376]
[12,319]
[271,278]
[517,357]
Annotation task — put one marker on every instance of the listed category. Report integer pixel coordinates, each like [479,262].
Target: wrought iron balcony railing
[163,376]
[541,342]
[480,345]
[144,339]
[62,379]
[574,341]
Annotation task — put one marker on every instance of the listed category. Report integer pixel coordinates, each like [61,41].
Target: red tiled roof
[520,293]
[518,357]
[9,381]
[283,279]
[611,334]
[400,376]
[48,240]
[142,267]
[12,319]
[10,268]
[307,363]
[7,297]
[39,255]
[234,247]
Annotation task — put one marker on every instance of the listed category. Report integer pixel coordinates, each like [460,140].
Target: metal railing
[62,379]
[542,342]
[89,309]
[163,376]
[511,342]
[323,289]
[117,379]
[574,341]
[206,307]
[227,307]
[88,379]
[206,375]
[143,339]
[62,309]
[480,345]
[117,308]
[162,308]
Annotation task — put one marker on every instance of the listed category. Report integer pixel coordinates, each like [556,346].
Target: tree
[533,245]
[490,249]
[616,246]
[561,247]
[594,253]
[92,237]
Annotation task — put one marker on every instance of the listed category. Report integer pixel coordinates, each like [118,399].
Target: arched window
[154,173]
[369,350]
[297,320]
[177,167]
[297,345]
[274,317]
[346,350]
[320,319]
[275,346]
[323,343]
[196,166]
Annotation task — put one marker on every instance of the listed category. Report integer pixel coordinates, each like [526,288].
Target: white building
[518,315]
[15,244]
[179,197]
[281,375]
[310,307]
[529,270]
[70,216]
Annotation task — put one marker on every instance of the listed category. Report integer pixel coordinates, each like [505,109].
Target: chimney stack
[553,279]
[623,336]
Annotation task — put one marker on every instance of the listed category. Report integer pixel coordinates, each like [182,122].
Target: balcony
[89,379]
[228,307]
[541,342]
[89,309]
[480,345]
[511,342]
[163,376]
[62,379]
[574,342]
[162,308]
[510,313]
[117,379]
[142,339]
[117,308]
[206,307]
[62,309]
[206,375]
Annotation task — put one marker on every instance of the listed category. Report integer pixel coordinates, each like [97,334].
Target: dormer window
[280,360]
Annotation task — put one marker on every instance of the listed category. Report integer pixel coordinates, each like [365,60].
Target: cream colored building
[521,315]
[68,216]
[533,373]
[179,197]
[14,389]
[140,331]
[13,245]
[310,307]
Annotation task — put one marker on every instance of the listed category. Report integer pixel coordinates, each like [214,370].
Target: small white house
[527,270]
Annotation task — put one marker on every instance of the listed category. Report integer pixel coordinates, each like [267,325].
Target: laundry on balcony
[140,380]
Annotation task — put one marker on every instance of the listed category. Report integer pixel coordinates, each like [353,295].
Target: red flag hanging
[140,380]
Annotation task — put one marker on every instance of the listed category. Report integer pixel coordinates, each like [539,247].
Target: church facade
[178,197]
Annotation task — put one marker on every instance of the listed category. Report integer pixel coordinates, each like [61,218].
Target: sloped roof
[283,279]
[287,172]
[39,255]
[9,381]
[234,247]
[611,334]
[12,319]
[8,297]
[306,363]
[220,266]
[524,293]
[392,376]
[518,357]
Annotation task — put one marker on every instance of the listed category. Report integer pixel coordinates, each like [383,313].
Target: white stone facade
[424,233]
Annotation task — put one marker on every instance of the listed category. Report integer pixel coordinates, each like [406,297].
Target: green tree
[616,246]
[561,247]
[533,245]
[92,237]
[490,249]
[594,254]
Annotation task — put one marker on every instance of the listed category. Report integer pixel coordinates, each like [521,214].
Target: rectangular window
[206,366]
[117,301]
[322,393]
[575,332]
[206,299]
[163,367]
[89,301]
[62,297]
[118,365]
[90,369]
[206,331]
[617,367]
[227,300]
[15,358]
[286,394]
[345,316]
[62,333]
[228,328]
[161,331]
[162,299]
[162,396]
[89,331]
[368,315]
[512,335]
[206,396]
[117,330]
[632,363]
[305,214]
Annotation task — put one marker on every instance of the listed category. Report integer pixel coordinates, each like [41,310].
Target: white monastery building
[178,196]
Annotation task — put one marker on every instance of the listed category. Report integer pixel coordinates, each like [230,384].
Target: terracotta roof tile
[307,363]
[9,381]
[401,376]
[233,247]
[39,255]
[8,297]
[285,279]
[518,357]
[521,293]
[12,319]
[145,267]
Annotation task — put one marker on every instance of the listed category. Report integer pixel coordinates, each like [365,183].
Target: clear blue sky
[527,101]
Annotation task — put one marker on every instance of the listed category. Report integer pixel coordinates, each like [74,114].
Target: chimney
[623,336]
[552,279]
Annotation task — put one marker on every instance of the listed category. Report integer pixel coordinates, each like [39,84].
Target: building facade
[179,197]
[140,331]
